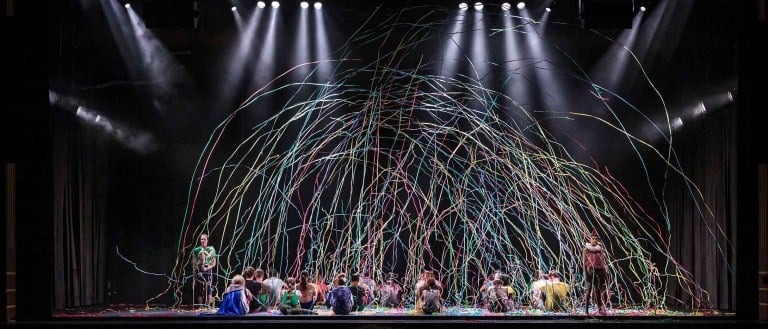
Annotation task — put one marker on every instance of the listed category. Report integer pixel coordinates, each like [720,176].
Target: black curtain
[704,242]
[80,187]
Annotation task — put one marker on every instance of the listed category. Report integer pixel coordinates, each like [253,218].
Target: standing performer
[204,260]
[595,272]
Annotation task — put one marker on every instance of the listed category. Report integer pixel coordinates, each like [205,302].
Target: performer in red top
[595,272]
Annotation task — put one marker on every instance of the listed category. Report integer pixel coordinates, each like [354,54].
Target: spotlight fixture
[275,4]
[642,8]
[506,6]
[304,5]
[478,6]
[127,5]
[701,109]
[463,6]
[261,4]
[548,9]
[520,5]
[318,5]
[234,8]
[677,123]
[732,95]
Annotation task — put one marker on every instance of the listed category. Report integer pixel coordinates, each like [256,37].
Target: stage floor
[163,317]
[150,311]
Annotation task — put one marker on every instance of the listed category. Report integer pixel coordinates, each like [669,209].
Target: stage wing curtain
[706,148]
[79,220]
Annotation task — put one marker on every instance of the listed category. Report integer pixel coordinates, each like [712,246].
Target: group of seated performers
[251,292]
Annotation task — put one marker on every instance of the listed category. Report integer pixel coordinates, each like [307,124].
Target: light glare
[463,6]
[478,6]
[520,5]
[275,4]
[261,4]
[304,5]
[506,6]
[318,5]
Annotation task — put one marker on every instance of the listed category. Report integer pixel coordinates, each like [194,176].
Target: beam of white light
[239,56]
[516,66]
[322,48]
[479,48]
[301,47]
[146,58]
[238,19]
[611,70]
[452,48]
[266,63]
[135,139]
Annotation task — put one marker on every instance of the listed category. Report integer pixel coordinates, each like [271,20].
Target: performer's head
[238,279]
[204,240]
[290,283]
[593,238]
[249,272]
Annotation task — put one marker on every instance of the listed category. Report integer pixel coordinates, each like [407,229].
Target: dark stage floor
[125,316]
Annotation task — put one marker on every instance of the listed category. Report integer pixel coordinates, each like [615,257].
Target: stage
[161,316]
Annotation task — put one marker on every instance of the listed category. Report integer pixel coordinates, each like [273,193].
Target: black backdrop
[59,163]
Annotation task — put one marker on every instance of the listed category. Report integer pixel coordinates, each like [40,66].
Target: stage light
[677,123]
[463,6]
[478,6]
[520,5]
[506,6]
[127,6]
[318,5]
[548,9]
[275,4]
[304,5]
[732,95]
[234,8]
[261,4]
[701,109]
[642,8]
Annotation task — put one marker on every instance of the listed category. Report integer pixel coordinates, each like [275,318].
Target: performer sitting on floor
[340,297]
[498,297]
[236,299]
[359,291]
[431,297]
[556,292]
[426,275]
[536,292]
[289,301]
[308,292]
[389,292]
[254,287]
